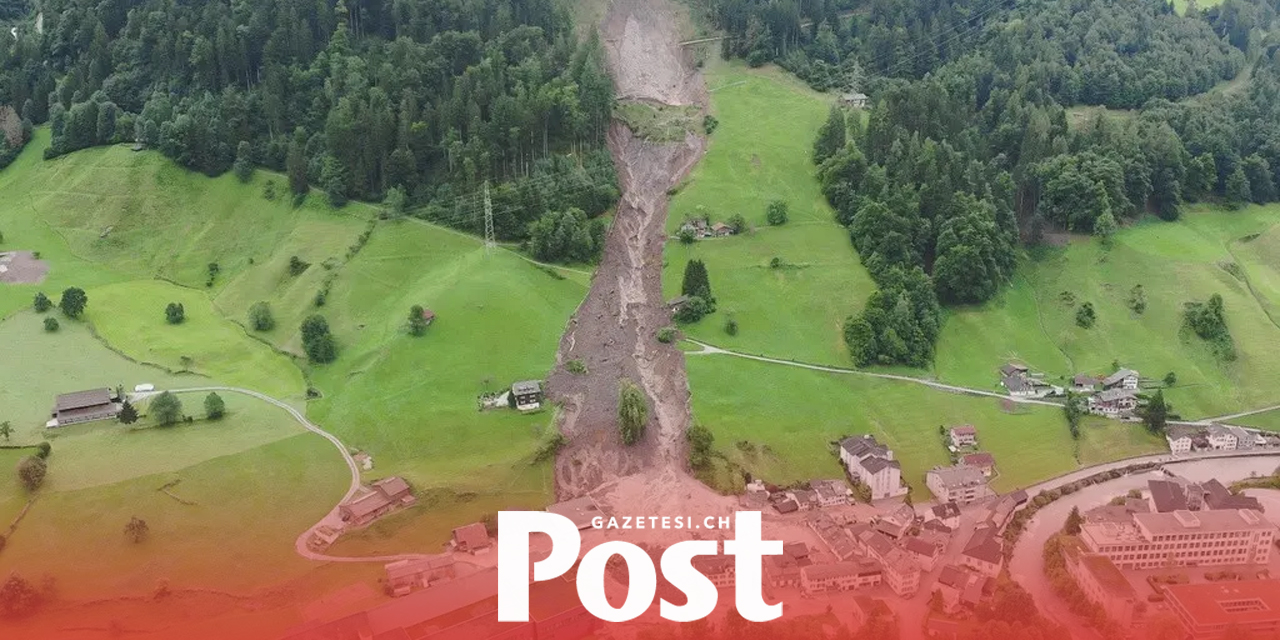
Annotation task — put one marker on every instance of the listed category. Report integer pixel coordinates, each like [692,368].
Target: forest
[430,98]
[967,154]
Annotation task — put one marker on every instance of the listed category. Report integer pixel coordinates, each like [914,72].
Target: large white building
[873,465]
[1181,538]
[960,484]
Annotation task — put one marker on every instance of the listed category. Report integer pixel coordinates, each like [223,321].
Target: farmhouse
[965,435]
[84,406]
[1084,383]
[962,485]
[527,395]
[406,576]
[383,497]
[1113,403]
[1018,386]
[721,229]
[872,464]
[982,461]
[854,99]
[473,538]
[1122,379]
[1013,369]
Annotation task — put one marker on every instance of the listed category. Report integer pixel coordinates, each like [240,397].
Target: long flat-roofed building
[1180,538]
[1210,609]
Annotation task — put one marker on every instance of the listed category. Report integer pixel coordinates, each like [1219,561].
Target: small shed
[473,538]
[854,99]
[428,316]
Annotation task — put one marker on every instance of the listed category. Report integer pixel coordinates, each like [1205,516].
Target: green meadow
[1209,251]
[761,151]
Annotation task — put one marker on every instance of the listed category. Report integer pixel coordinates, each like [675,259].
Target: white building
[1122,379]
[1179,438]
[873,465]
[1221,438]
[960,484]
[1183,538]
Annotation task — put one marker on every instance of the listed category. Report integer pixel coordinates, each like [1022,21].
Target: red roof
[1245,602]
[965,430]
[980,460]
[472,537]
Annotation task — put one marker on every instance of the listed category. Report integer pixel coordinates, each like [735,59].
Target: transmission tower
[489,242]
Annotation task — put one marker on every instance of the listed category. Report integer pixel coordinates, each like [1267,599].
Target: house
[841,576]
[473,538]
[1018,386]
[582,511]
[901,572]
[718,568]
[1245,439]
[831,493]
[383,497]
[948,513]
[854,99]
[406,576]
[721,230]
[924,552]
[788,505]
[1113,403]
[951,584]
[1180,438]
[982,461]
[983,552]
[805,499]
[872,464]
[784,570]
[960,484]
[839,541]
[1084,383]
[1013,370]
[1001,511]
[965,435]
[1123,379]
[84,406]
[527,395]
[1221,438]
[428,316]
[1216,496]
[1166,496]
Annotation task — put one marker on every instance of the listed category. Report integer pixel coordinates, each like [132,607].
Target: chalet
[948,513]
[473,538]
[527,395]
[924,552]
[1018,386]
[84,406]
[1013,369]
[1113,403]
[383,497]
[718,568]
[841,576]
[1123,379]
[964,436]
[872,464]
[721,230]
[831,493]
[983,552]
[982,461]
[1221,438]
[854,99]
[1180,439]
[960,484]
[1084,383]
[406,576]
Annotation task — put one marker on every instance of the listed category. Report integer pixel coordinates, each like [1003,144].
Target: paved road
[708,349]
[332,518]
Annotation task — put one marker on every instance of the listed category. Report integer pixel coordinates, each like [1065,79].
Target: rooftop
[840,570]
[526,386]
[82,399]
[859,446]
[958,476]
[965,430]
[1112,395]
[471,537]
[406,568]
[876,464]
[1244,602]
[980,460]
[1016,383]
[1202,521]
[920,547]
[946,510]
[1118,377]
[1167,496]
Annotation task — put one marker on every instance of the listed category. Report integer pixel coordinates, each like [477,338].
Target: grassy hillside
[1204,254]
[761,151]
[778,422]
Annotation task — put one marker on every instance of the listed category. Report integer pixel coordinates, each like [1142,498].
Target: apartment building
[1183,538]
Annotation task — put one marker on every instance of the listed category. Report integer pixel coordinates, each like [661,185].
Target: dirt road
[613,331]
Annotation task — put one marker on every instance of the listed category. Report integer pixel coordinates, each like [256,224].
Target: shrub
[731,327]
[214,407]
[317,341]
[1085,316]
[692,310]
[43,450]
[686,235]
[260,317]
[633,412]
[701,441]
[575,367]
[166,409]
[41,303]
[136,529]
[417,323]
[777,213]
[174,313]
[297,266]
[709,123]
[269,190]
[739,223]
[18,597]
[51,324]
[667,335]
[31,472]
[73,302]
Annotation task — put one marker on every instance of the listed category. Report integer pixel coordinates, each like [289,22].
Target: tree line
[357,97]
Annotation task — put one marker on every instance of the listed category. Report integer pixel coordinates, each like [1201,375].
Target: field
[761,152]
[1205,253]
[779,423]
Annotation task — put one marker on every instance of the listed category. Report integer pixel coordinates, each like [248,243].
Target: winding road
[332,519]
